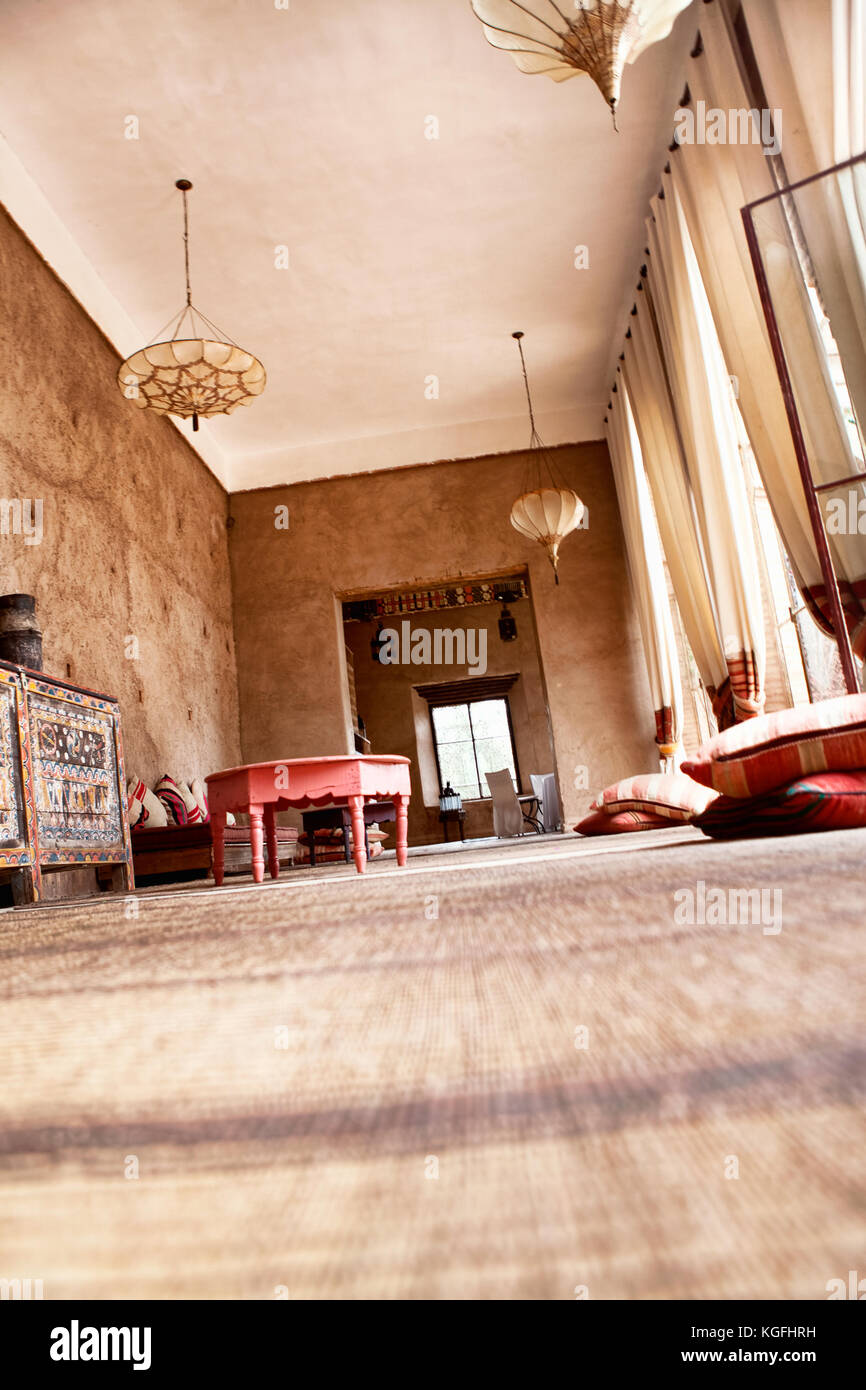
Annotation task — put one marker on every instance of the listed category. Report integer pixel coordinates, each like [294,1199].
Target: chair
[509,816]
[549,812]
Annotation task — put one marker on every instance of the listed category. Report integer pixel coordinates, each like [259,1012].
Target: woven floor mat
[528,1077]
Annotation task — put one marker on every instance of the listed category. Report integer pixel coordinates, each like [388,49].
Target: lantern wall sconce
[377,642]
[199,374]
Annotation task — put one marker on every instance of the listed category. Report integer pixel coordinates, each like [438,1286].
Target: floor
[520,1071]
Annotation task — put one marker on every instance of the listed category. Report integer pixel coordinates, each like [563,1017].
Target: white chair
[508,815]
[544,786]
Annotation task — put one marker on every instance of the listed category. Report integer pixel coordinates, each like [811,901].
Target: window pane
[493,755]
[457,766]
[451,723]
[489,719]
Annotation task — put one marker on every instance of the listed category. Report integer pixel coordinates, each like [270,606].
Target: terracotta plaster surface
[416,527]
[134,534]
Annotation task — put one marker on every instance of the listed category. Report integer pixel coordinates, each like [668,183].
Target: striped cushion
[145,809]
[667,794]
[178,801]
[600,823]
[776,749]
[827,801]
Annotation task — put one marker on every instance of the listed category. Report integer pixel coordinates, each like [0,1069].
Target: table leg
[401,803]
[356,806]
[347,828]
[271,838]
[255,810]
[218,825]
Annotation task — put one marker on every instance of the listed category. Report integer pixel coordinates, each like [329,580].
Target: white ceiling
[408,256]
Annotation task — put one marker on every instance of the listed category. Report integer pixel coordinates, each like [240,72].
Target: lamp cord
[186,246]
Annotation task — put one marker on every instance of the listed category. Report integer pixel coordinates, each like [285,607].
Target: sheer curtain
[704,408]
[646,571]
[646,382]
[713,182]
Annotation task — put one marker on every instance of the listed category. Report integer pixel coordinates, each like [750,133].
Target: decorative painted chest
[62,799]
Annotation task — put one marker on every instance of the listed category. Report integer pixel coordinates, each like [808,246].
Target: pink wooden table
[262,789]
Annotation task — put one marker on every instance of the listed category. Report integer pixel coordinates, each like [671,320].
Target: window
[470,740]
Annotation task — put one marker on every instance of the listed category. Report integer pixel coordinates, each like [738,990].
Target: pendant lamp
[197,372]
[546,511]
[597,37]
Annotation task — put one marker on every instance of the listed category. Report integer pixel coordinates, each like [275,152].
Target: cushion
[333,854]
[178,801]
[775,750]
[827,801]
[600,823]
[335,836]
[198,790]
[145,809]
[667,794]
[240,835]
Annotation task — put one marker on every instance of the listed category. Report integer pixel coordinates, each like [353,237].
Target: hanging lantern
[546,511]
[377,642]
[507,625]
[599,39]
[197,373]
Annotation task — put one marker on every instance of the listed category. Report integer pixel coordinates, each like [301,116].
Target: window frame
[469,702]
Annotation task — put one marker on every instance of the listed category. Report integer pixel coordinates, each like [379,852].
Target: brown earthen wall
[134,534]
[415,527]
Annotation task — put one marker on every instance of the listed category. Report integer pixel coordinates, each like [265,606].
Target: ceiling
[409,257]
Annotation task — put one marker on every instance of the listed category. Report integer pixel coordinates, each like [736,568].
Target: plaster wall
[133,541]
[417,527]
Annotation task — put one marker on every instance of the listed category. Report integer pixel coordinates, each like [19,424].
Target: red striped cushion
[827,801]
[667,794]
[776,749]
[600,823]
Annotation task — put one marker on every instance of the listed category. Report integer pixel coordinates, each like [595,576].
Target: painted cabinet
[62,797]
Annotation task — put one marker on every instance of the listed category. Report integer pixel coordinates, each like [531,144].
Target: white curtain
[646,571]
[704,408]
[647,385]
[713,183]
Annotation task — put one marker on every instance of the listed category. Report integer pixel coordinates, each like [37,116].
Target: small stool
[447,816]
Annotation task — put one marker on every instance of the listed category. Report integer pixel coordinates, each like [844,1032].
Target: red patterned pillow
[667,794]
[600,823]
[178,801]
[827,801]
[775,749]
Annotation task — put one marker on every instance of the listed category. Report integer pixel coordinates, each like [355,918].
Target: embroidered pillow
[775,750]
[200,794]
[145,809]
[667,794]
[600,823]
[827,801]
[178,800]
